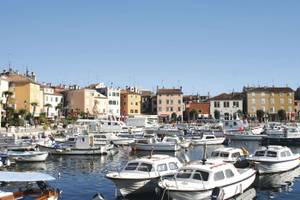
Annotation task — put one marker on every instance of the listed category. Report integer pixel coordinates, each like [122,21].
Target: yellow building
[26,92]
[130,103]
[270,100]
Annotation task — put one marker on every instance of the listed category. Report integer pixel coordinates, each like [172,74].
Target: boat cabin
[155,163]
[272,152]
[227,154]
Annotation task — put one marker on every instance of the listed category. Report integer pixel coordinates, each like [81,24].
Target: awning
[24,177]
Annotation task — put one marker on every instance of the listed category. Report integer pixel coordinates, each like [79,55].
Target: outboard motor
[217,194]
[98,196]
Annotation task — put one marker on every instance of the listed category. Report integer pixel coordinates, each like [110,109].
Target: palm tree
[59,108]
[34,105]
[7,95]
[48,106]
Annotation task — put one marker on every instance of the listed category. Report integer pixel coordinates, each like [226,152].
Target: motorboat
[283,135]
[207,140]
[142,175]
[156,145]
[198,180]
[78,145]
[274,159]
[28,156]
[169,130]
[41,190]
[115,139]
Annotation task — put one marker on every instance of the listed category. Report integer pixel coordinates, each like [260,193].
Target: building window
[136,103]
[263,101]
[131,111]
[236,104]
[217,104]
[171,109]
[136,111]
[226,104]
[179,101]
[167,101]
[179,109]
[159,102]
[159,109]
[171,101]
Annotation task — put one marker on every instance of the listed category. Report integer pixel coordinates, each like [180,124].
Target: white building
[4,86]
[113,97]
[53,99]
[227,104]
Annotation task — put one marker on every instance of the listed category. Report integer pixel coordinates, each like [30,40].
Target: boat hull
[238,136]
[270,167]
[31,158]
[155,147]
[74,151]
[230,190]
[135,186]
[208,142]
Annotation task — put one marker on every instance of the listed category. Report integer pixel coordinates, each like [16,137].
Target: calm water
[83,176]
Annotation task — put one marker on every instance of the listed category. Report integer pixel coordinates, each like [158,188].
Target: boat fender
[98,196]
[217,194]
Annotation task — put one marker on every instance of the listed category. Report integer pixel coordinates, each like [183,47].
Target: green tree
[34,105]
[260,115]
[217,114]
[194,114]
[59,109]
[174,117]
[281,115]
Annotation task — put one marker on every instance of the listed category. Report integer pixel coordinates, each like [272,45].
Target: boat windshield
[259,153]
[144,167]
[186,173]
[272,154]
[131,166]
[224,154]
[200,175]
[215,154]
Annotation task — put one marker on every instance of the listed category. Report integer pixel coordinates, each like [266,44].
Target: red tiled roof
[230,96]
[169,91]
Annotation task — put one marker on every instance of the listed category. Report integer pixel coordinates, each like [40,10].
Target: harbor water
[81,177]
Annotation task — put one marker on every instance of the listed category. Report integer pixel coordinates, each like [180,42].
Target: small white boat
[28,156]
[78,145]
[207,139]
[40,190]
[154,144]
[142,175]
[177,140]
[273,159]
[199,179]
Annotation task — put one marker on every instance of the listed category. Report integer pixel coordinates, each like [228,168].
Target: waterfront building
[51,100]
[195,98]
[130,102]
[26,91]
[113,96]
[201,108]
[270,100]
[169,102]
[86,100]
[228,105]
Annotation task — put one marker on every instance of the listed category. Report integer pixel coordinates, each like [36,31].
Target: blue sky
[204,46]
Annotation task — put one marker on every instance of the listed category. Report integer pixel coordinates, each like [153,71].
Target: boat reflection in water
[279,182]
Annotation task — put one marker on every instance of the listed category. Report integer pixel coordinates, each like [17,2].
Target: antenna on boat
[151,152]
[204,154]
